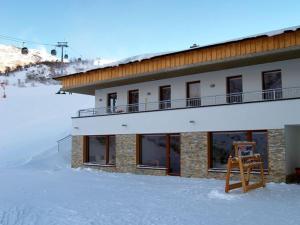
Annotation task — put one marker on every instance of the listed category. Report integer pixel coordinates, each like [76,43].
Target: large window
[272,85]
[221,146]
[161,151]
[101,150]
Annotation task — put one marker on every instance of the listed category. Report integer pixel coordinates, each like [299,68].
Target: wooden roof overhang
[245,52]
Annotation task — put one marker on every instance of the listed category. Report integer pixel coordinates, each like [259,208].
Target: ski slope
[32,119]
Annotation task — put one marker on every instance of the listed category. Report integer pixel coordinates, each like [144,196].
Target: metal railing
[227,99]
[66,141]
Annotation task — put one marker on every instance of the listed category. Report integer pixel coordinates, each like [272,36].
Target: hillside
[11,57]
[32,116]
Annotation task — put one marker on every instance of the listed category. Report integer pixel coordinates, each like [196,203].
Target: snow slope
[32,119]
[10,56]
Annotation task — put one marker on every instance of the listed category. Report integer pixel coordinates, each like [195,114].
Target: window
[101,150]
[111,102]
[193,94]
[161,151]
[165,97]
[221,146]
[133,101]
[234,89]
[272,86]
[153,150]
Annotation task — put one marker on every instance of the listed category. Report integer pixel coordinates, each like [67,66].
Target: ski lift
[24,50]
[53,52]
[66,56]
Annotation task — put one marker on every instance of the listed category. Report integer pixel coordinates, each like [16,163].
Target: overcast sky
[120,28]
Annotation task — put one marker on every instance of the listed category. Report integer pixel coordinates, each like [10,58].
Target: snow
[38,187]
[11,56]
[87,197]
[33,118]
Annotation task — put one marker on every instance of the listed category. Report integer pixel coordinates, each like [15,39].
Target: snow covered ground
[38,187]
[86,197]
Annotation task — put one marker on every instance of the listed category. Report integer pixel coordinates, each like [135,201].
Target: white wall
[252,116]
[251,75]
[292,134]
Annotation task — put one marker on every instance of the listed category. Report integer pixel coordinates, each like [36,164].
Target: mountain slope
[11,57]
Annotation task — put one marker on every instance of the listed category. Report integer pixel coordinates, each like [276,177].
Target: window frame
[249,138]
[107,152]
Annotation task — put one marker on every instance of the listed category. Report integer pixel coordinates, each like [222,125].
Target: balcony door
[272,85]
[133,101]
[111,102]
[193,94]
[165,97]
[234,89]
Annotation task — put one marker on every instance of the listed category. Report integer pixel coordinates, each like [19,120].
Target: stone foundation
[194,157]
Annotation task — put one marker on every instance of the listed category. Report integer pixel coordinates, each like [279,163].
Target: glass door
[165,97]
[193,94]
[133,101]
[111,102]
[272,85]
[234,89]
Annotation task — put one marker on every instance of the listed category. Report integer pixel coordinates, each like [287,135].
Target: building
[178,113]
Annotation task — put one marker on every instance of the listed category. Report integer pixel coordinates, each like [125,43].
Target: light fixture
[212,85]
[192,121]
[124,125]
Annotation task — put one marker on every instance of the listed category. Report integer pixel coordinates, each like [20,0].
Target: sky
[115,29]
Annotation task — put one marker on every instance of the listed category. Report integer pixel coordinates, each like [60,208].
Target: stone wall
[126,153]
[193,154]
[77,151]
[277,160]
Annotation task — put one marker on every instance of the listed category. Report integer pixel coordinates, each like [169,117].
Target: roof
[142,57]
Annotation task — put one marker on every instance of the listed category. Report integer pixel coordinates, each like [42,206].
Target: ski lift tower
[62,45]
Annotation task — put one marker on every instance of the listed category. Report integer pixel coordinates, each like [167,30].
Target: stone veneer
[77,151]
[194,156]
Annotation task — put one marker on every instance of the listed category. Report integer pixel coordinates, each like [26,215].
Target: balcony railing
[228,99]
